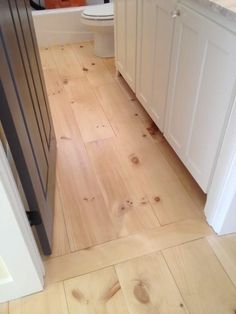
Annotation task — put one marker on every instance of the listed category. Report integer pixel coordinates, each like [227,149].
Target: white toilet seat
[102,12]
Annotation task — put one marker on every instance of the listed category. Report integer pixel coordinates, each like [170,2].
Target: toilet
[100,19]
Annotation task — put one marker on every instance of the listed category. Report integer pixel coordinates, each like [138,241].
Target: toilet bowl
[100,19]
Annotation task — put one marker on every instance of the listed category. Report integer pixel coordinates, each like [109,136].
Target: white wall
[21,268]
[60,26]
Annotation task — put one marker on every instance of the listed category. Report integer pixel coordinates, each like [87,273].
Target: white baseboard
[60,26]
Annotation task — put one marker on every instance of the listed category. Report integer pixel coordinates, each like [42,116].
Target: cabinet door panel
[161,63]
[131,39]
[155,28]
[213,102]
[126,30]
[202,80]
[145,53]
[120,30]
[185,69]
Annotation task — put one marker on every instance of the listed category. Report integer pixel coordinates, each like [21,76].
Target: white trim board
[220,208]
[21,267]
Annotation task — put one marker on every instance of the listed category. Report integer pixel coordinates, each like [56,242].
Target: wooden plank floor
[119,176]
[130,234]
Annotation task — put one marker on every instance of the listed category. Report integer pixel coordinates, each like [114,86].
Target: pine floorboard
[130,234]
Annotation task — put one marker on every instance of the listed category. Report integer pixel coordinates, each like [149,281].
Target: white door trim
[220,208]
[21,267]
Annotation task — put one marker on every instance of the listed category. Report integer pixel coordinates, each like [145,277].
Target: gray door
[25,114]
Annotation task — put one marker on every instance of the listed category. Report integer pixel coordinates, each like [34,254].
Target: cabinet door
[145,51]
[25,114]
[155,29]
[201,90]
[125,31]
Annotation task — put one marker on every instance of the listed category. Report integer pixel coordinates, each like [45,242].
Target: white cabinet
[182,67]
[154,39]
[125,43]
[201,91]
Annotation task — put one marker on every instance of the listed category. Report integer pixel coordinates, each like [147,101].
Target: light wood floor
[130,234]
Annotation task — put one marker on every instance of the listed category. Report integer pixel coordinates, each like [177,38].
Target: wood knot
[81,46]
[89,199]
[77,294]
[111,292]
[65,138]
[93,63]
[135,160]
[133,99]
[65,81]
[157,199]
[181,305]
[152,129]
[85,69]
[136,114]
[144,135]
[141,293]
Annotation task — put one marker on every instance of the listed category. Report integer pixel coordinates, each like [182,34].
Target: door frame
[21,267]
[221,201]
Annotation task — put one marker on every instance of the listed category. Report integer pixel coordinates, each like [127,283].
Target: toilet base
[104,44]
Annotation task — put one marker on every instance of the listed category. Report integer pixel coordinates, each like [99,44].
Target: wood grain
[123,249]
[67,64]
[154,171]
[60,239]
[97,292]
[53,81]
[84,208]
[51,301]
[86,108]
[120,104]
[83,205]
[225,249]
[84,53]
[88,113]
[149,287]
[168,197]
[47,59]
[94,68]
[110,65]
[113,184]
[4,308]
[128,206]
[202,281]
